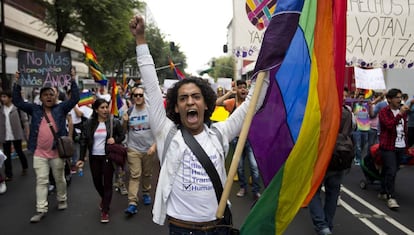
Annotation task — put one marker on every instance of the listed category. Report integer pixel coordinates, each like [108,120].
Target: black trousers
[17,144]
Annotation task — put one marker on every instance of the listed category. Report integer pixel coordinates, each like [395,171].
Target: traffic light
[172,46]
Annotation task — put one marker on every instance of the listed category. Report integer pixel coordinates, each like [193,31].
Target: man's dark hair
[6,93]
[241,82]
[206,91]
[45,89]
[393,93]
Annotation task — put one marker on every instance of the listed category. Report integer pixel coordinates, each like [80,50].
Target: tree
[102,23]
[223,67]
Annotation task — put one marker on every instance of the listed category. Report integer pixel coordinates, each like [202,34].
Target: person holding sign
[42,142]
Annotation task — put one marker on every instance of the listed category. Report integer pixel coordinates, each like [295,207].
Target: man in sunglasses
[141,150]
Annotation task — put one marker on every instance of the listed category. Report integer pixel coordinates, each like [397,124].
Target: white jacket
[161,125]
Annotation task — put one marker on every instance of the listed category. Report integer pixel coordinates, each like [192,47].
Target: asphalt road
[355,216]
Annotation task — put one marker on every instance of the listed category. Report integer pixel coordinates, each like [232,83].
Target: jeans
[75,156]
[322,213]
[140,166]
[41,166]
[390,165]
[372,137]
[361,144]
[17,144]
[254,170]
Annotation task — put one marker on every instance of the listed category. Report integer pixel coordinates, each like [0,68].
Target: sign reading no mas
[44,69]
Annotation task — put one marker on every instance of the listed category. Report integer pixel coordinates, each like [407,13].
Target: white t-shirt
[9,132]
[193,197]
[99,137]
[400,140]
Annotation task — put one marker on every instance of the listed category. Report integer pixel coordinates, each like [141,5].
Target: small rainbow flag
[86,98]
[368,94]
[124,82]
[94,67]
[177,72]
[116,100]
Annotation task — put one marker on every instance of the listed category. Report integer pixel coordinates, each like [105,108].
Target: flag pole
[240,145]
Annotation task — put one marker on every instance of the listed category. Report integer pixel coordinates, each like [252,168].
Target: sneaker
[62,205]
[37,217]
[392,203]
[146,199]
[24,172]
[325,231]
[338,202]
[104,217]
[382,196]
[241,192]
[3,187]
[8,178]
[256,196]
[123,190]
[131,210]
[51,188]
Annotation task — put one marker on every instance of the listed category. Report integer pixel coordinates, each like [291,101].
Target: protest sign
[44,69]
[369,79]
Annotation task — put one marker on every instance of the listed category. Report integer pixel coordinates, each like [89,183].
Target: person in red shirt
[393,143]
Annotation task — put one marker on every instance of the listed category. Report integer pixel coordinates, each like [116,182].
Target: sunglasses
[138,95]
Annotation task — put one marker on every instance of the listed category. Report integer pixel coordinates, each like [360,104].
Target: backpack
[343,154]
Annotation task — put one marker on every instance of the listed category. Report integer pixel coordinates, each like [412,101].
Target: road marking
[376,211]
[364,220]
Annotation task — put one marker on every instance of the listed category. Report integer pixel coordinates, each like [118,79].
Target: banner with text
[250,20]
[380,34]
[44,69]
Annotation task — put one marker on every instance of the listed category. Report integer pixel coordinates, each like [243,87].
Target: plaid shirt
[388,123]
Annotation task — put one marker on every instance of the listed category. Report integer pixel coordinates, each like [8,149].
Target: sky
[198,27]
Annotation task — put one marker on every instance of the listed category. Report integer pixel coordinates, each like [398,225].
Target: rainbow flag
[177,71]
[116,100]
[94,67]
[86,98]
[368,93]
[294,132]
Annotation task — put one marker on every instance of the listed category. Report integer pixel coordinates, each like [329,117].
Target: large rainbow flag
[94,67]
[294,132]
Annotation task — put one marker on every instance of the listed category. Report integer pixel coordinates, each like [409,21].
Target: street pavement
[17,205]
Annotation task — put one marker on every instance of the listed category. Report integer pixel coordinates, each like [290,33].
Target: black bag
[343,154]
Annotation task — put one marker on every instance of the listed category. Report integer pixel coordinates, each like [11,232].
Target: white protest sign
[168,83]
[224,82]
[369,79]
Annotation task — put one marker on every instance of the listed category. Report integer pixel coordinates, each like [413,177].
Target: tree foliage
[103,24]
[223,67]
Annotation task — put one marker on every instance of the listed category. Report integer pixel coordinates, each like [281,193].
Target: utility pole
[4,81]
